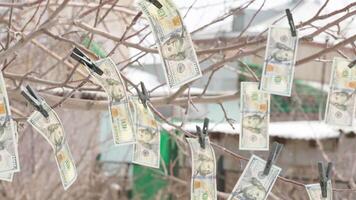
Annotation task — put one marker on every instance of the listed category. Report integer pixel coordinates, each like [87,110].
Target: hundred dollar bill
[253,184]
[110,80]
[278,67]
[50,128]
[66,166]
[254,117]
[314,191]
[147,147]
[203,183]
[8,176]
[341,99]
[174,43]
[120,113]
[122,123]
[9,161]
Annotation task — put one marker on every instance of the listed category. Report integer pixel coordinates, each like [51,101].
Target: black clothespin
[293,30]
[143,94]
[156,3]
[204,133]
[324,177]
[273,155]
[352,63]
[34,99]
[79,56]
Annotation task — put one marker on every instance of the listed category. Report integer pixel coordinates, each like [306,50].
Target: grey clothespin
[204,133]
[80,56]
[324,177]
[34,99]
[273,155]
[143,94]
[293,30]
[352,63]
[156,3]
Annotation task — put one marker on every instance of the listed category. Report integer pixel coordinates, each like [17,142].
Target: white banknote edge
[3,176]
[327,102]
[241,147]
[244,172]
[264,64]
[207,145]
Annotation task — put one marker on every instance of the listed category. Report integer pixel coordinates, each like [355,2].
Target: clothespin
[352,63]
[34,99]
[80,56]
[324,177]
[156,3]
[143,94]
[204,133]
[291,23]
[273,155]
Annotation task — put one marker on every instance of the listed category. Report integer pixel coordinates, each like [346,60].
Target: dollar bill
[110,80]
[254,117]
[203,183]
[8,176]
[50,128]
[147,147]
[278,67]
[120,113]
[122,123]
[314,191]
[174,43]
[341,98]
[9,161]
[252,184]
[66,166]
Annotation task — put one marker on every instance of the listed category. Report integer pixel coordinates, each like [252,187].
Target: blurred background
[36,39]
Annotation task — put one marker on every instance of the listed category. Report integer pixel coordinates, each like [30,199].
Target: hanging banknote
[341,99]
[252,184]
[174,43]
[120,113]
[278,67]
[147,147]
[52,130]
[66,166]
[203,183]
[254,117]
[9,159]
[8,176]
[314,191]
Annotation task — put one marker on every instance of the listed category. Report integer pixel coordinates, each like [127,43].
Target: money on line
[203,182]
[253,184]
[340,105]
[174,43]
[254,118]
[278,67]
